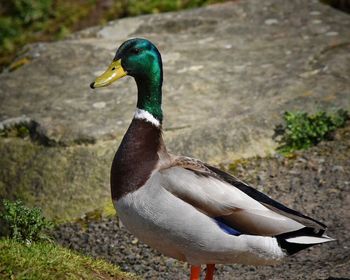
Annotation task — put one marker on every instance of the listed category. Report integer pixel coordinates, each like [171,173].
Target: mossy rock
[65,182]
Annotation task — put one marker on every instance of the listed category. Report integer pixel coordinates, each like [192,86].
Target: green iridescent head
[140,59]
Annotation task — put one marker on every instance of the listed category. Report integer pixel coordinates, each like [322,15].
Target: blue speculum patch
[226,228]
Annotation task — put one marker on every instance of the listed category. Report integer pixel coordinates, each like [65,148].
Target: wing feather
[218,196]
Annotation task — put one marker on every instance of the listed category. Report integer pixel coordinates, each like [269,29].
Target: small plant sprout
[302,130]
[25,224]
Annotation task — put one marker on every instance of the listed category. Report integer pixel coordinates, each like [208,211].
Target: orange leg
[195,272]
[210,272]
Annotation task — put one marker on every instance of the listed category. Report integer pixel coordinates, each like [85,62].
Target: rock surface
[315,182]
[230,71]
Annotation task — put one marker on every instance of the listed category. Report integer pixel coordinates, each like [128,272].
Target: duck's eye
[113,68]
[135,51]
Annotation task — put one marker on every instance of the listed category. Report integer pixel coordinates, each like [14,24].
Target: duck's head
[138,58]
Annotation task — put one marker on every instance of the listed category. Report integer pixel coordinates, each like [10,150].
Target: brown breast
[136,157]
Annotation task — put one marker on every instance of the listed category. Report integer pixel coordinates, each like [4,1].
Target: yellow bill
[114,72]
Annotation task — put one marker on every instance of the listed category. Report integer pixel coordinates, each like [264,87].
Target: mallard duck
[183,207]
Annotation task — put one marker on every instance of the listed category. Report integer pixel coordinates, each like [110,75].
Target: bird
[183,207]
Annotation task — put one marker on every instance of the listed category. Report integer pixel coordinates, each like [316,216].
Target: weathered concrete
[230,71]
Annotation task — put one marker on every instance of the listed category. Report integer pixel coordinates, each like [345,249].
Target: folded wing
[232,202]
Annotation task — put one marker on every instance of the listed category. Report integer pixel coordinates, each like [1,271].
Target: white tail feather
[309,239]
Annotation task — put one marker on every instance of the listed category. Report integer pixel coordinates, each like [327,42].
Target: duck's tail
[293,242]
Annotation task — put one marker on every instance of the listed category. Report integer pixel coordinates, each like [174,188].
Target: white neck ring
[147,116]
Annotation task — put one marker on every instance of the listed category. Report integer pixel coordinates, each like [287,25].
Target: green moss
[49,261]
[65,182]
[302,130]
[106,211]
[18,130]
[232,167]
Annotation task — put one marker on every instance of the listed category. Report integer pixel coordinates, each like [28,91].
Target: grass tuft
[49,261]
